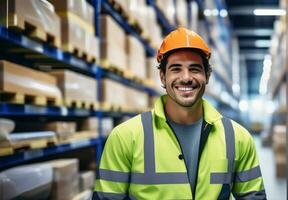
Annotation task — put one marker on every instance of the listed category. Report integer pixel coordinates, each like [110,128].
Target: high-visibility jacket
[141,160]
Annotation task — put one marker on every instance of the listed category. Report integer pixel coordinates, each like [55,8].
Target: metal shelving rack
[23,50]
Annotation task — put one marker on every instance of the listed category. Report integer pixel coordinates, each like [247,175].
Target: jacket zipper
[182,155]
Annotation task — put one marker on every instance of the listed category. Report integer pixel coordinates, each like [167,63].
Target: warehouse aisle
[275,187]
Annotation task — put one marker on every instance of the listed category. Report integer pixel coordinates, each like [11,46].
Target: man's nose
[186,76]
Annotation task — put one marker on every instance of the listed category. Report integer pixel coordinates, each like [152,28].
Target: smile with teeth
[185,88]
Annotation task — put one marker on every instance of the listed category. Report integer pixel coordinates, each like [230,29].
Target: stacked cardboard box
[168,9]
[279,146]
[136,57]
[86,180]
[77,27]
[182,12]
[138,9]
[17,79]
[76,86]
[112,89]
[137,100]
[65,179]
[153,73]
[153,29]
[36,17]
[113,46]
[90,124]
[62,129]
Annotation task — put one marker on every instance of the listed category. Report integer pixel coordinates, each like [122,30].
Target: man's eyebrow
[196,65]
[174,65]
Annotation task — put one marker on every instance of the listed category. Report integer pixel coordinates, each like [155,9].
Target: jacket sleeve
[113,174]
[248,181]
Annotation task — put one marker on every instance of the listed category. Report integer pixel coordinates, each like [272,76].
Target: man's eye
[174,69]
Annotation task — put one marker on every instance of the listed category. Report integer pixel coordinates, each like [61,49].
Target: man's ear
[209,71]
[162,78]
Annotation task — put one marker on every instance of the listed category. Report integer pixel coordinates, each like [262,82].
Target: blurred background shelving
[72,70]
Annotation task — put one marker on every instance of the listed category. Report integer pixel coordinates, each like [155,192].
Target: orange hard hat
[182,38]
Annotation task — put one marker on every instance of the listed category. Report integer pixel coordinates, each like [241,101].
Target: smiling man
[184,148]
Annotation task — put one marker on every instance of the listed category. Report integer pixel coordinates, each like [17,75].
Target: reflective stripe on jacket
[140,161]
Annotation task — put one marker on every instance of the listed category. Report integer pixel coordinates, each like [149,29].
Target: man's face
[184,78]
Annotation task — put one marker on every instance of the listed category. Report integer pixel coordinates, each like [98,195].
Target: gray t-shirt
[189,139]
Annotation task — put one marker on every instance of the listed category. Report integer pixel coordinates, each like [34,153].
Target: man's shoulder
[240,131]
[129,127]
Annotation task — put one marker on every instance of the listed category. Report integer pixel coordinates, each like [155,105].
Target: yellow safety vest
[140,160]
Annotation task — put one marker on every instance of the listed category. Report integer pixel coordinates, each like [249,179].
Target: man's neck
[183,115]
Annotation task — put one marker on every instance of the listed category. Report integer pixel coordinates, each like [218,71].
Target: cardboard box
[76,7]
[153,73]
[65,179]
[62,129]
[17,79]
[279,139]
[182,12]
[73,36]
[38,14]
[137,100]
[168,9]
[136,57]
[77,26]
[113,46]
[90,123]
[281,163]
[138,9]
[113,92]
[86,180]
[76,86]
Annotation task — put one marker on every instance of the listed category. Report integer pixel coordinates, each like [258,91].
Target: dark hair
[162,65]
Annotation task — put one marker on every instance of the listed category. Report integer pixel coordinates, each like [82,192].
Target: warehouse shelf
[127,27]
[15,46]
[161,18]
[7,109]
[106,74]
[29,155]
[31,52]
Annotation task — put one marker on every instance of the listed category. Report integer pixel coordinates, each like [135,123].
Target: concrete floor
[276,188]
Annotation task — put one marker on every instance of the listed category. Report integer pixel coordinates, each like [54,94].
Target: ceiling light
[269,12]
[223,13]
[207,12]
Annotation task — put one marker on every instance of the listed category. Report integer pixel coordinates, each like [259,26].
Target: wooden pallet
[20,98]
[23,145]
[104,63]
[81,135]
[79,53]
[21,25]
[82,104]
[105,106]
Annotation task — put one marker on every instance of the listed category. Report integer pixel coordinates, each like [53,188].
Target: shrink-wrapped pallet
[16,79]
[75,86]
[65,179]
[136,57]
[113,43]
[113,93]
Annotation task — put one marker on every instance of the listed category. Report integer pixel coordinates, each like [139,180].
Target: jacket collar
[211,115]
